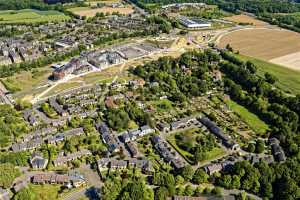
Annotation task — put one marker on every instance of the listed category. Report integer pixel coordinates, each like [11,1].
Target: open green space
[195,146]
[30,16]
[162,105]
[288,79]
[45,192]
[251,119]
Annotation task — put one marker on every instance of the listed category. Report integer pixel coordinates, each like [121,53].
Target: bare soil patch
[246,19]
[291,60]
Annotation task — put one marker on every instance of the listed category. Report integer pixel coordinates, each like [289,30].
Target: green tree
[25,194]
[200,176]
[187,172]
[188,191]
[260,146]
[161,193]
[8,173]
[251,148]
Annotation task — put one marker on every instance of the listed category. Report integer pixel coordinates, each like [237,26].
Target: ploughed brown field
[246,19]
[275,45]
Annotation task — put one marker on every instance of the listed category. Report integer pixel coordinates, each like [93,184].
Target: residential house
[118,164]
[56,138]
[145,130]
[50,178]
[137,83]
[166,152]
[164,127]
[213,128]
[143,164]
[132,149]
[30,145]
[103,164]
[76,179]
[74,132]
[213,168]
[62,160]
[58,108]
[108,138]
[37,161]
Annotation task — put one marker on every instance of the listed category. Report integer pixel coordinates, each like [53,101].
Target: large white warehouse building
[194,23]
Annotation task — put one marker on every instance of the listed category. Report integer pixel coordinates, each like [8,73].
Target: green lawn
[289,80]
[191,135]
[45,192]
[251,119]
[30,16]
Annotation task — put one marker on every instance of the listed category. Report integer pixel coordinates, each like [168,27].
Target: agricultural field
[92,9]
[266,44]
[245,19]
[30,16]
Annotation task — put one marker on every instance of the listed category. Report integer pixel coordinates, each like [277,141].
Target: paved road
[236,192]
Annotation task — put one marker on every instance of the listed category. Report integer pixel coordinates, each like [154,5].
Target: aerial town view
[149,99]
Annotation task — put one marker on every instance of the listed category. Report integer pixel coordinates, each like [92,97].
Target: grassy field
[28,84]
[246,19]
[289,80]
[251,119]
[192,134]
[45,192]
[30,16]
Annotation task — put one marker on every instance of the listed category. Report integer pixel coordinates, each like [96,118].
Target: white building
[188,23]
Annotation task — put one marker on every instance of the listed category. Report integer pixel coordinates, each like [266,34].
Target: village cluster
[160,117]
[63,37]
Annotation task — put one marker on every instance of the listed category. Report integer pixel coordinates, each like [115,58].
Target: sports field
[278,46]
[30,16]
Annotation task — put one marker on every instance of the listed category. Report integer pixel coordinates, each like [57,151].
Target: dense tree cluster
[288,21]
[253,6]
[281,112]
[129,187]
[279,181]
[257,94]
[198,146]
[16,159]
[181,78]
[12,125]
[28,4]
[8,173]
